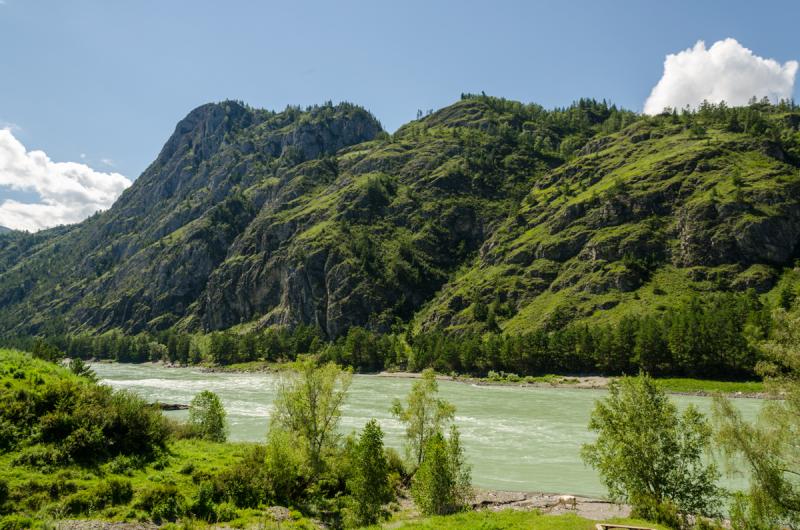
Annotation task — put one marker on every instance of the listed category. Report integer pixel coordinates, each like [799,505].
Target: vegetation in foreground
[73,448]
[63,453]
[184,473]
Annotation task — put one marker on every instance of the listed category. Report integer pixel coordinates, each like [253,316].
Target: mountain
[5,230]
[635,222]
[488,214]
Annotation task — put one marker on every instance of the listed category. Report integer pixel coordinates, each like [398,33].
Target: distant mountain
[4,230]
[487,206]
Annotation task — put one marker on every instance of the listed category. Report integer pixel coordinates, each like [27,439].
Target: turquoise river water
[516,438]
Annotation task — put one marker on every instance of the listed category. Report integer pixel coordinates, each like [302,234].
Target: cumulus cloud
[69,192]
[727,71]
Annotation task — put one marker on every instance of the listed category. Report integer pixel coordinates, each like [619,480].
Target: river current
[515,438]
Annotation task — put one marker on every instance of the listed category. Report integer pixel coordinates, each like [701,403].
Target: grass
[509,520]
[188,463]
[708,386]
[43,489]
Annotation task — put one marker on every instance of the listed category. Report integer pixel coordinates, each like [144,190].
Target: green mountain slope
[368,237]
[635,222]
[486,215]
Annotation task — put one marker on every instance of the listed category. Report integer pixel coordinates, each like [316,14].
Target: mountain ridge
[485,207]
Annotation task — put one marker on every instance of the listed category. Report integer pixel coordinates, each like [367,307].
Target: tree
[309,404]
[369,484]
[81,369]
[442,484]
[647,454]
[424,414]
[43,350]
[769,448]
[207,416]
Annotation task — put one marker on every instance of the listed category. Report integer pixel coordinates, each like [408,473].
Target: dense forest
[711,338]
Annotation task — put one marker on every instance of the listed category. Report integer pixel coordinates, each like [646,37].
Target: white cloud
[727,71]
[69,191]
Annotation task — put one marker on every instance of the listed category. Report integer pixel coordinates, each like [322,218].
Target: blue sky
[109,80]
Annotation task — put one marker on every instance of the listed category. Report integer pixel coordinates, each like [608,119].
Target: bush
[135,428]
[207,417]
[226,512]
[162,502]
[664,513]
[286,465]
[396,466]
[116,490]
[3,491]
[41,457]
[246,483]
[62,418]
[125,465]
[442,483]
[110,492]
[203,505]
[180,430]
[16,522]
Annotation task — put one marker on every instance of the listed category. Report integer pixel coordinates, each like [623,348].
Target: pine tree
[369,484]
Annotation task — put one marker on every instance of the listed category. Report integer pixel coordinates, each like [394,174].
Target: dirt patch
[550,503]
[102,525]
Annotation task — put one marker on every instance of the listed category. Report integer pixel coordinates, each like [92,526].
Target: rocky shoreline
[550,503]
[582,382]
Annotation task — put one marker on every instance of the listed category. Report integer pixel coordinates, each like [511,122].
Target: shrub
[308,404]
[107,493]
[442,484]
[16,522]
[134,427]
[84,444]
[162,502]
[71,419]
[664,513]
[207,417]
[286,465]
[125,465]
[203,505]
[246,483]
[396,466]
[117,491]
[424,415]
[180,430]
[227,512]
[42,457]
[3,491]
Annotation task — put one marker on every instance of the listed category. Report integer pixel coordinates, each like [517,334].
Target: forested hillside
[487,216]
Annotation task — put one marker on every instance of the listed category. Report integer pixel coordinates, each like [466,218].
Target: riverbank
[672,385]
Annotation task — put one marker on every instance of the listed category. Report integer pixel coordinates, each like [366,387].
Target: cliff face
[318,217]
[144,263]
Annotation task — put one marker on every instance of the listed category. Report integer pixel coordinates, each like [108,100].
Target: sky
[91,89]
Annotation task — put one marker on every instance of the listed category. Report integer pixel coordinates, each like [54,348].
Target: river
[516,438]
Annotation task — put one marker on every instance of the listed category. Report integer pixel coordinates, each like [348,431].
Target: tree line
[711,337]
